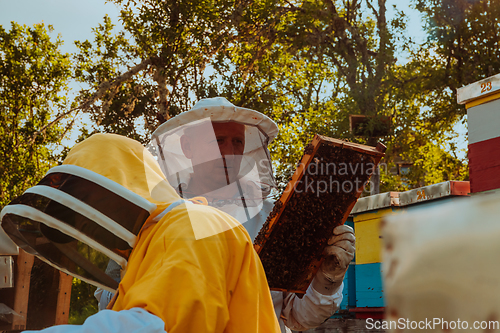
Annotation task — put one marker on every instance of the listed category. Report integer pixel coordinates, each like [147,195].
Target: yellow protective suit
[214,284]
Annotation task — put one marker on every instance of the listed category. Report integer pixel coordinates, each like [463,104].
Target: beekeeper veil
[90,209]
[219,151]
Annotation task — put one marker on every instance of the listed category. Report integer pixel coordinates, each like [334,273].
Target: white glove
[339,253]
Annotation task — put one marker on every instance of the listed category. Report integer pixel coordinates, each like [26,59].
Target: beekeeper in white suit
[219,151]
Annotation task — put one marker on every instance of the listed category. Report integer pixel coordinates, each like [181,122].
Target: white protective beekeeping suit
[244,196]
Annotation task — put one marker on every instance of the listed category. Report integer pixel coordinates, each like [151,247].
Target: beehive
[325,186]
[367,215]
[482,100]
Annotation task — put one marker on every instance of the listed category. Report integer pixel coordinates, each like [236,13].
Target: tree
[156,67]
[332,59]
[461,48]
[33,82]
[464,36]
[306,64]
[349,58]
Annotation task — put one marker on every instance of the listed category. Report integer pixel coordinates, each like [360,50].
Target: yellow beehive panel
[368,241]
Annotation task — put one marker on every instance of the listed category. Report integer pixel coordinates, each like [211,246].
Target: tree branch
[101,90]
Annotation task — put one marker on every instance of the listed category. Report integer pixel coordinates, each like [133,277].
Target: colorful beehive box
[366,216]
[482,100]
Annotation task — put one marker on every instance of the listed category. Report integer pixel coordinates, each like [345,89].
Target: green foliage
[306,64]
[465,36]
[33,78]
[121,107]
[155,68]
[463,40]
[83,302]
[333,59]
[369,82]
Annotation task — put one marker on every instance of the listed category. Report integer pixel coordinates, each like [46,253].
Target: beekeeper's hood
[254,180]
[91,208]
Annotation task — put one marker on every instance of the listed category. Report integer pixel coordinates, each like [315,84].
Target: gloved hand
[339,253]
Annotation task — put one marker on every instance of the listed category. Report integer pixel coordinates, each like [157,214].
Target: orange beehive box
[324,188]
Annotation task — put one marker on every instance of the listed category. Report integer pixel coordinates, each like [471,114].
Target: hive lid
[479,89]
[410,197]
[377,201]
[432,192]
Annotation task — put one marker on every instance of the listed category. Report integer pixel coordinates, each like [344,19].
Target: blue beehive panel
[349,292]
[345,296]
[369,292]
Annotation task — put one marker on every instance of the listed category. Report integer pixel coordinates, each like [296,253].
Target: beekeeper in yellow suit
[176,281]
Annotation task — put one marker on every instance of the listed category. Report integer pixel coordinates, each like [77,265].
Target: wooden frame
[280,241]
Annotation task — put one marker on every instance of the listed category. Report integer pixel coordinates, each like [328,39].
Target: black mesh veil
[77,221]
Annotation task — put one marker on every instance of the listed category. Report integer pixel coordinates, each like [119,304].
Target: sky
[71,19]
[74,20]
